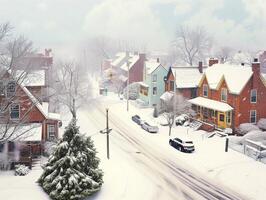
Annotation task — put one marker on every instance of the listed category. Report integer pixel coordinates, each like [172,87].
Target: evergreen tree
[72,172]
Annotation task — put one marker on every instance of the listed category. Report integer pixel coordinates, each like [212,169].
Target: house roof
[119,58]
[235,76]
[144,84]
[187,77]
[152,65]
[132,60]
[43,108]
[211,104]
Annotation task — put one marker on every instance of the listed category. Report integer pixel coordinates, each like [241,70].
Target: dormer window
[224,94]
[205,90]
[253,96]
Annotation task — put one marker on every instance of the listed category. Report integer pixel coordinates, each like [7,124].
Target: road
[172,180]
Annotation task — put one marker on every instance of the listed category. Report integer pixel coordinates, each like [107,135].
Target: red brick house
[23,106]
[186,78]
[230,95]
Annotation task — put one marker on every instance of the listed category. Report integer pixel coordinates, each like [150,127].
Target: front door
[221,120]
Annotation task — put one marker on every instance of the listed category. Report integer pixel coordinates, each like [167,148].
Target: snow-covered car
[182,144]
[181,119]
[149,128]
[137,119]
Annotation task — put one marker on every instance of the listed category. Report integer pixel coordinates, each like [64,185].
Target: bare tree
[72,86]
[192,44]
[12,92]
[224,54]
[174,107]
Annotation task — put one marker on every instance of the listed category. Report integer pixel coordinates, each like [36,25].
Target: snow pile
[246,127]
[262,123]
[72,170]
[21,170]
[255,135]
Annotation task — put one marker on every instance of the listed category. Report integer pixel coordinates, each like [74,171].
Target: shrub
[21,170]
[246,127]
[255,135]
[262,123]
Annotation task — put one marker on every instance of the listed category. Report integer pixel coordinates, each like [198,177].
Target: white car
[149,128]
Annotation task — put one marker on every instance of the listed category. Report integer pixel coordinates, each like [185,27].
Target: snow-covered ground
[123,181]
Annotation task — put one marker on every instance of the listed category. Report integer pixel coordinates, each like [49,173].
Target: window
[51,131]
[228,117]
[14,111]
[194,93]
[172,85]
[154,90]
[253,96]
[224,94]
[221,117]
[205,90]
[11,88]
[2,88]
[154,78]
[253,116]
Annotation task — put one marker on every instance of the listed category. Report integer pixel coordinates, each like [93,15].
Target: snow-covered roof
[211,104]
[236,76]
[167,96]
[132,60]
[187,77]
[151,65]
[43,108]
[144,84]
[24,132]
[119,58]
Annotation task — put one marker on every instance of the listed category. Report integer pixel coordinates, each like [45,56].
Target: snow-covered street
[151,155]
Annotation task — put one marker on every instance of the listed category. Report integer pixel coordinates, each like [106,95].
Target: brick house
[230,95]
[186,78]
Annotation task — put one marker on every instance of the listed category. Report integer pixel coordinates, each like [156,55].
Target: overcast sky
[64,24]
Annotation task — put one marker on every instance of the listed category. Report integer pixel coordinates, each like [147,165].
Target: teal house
[153,85]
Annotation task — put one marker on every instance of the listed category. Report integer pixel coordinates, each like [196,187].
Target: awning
[143,84]
[211,104]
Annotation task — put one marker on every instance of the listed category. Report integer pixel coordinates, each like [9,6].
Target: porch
[213,112]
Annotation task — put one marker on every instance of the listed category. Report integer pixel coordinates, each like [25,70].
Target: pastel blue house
[153,85]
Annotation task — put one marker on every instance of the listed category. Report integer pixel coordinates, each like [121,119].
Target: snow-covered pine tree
[72,172]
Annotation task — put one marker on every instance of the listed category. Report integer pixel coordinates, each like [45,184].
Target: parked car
[182,144]
[149,128]
[137,119]
[181,119]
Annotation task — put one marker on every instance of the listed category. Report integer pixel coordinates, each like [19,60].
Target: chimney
[213,61]
[158,60]
[200,67]
[256,73]
[47,52]
[256,66]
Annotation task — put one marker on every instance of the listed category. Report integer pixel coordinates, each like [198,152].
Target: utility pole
[107,133]
[127,85]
